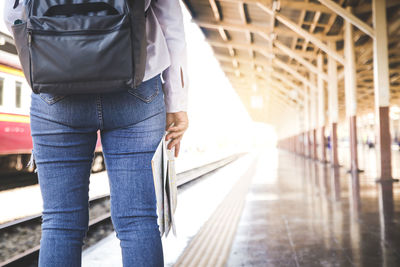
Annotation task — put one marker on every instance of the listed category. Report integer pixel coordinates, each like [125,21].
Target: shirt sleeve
[175,87]
[10,14]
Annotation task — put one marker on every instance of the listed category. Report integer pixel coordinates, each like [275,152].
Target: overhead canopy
[268,49]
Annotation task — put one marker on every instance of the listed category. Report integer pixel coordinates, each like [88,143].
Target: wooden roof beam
[267,67]
[290,53]
[268,84]
[289,91]
[273,51]
[262,30]
[276,74]
[245,20]
[367,7]
[229,59]
[290,104]
[294,73]
[287,101]
[221,30]
[297,29]
[215,10]
[345,14]
[258,48]
[284,79]
[232,26]
[300,59]
[243,70]
[289,4]
[281,82]
[283,89]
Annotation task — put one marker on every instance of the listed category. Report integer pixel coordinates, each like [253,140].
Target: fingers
[174,135]
[169,125]
[174,142]
[176,131]
[177,124]
[179,127]
[177,147]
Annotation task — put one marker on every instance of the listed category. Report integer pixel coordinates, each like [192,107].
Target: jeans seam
[99,110]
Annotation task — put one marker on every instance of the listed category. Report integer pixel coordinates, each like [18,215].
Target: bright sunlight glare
[219,124]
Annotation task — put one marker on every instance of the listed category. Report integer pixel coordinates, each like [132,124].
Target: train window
[1,90]
[18,89]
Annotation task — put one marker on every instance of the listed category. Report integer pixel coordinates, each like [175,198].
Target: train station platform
[275,208]
[321,78]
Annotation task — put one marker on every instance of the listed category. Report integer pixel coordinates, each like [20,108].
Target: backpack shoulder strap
[16,3]
[139,39]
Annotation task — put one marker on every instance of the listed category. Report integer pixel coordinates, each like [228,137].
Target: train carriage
[15,135]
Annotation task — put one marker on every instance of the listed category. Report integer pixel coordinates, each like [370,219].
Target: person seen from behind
[64,133]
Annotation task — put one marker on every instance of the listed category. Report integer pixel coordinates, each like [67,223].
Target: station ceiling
[268,49]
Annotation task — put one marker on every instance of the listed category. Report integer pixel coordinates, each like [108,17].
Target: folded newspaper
[163,166]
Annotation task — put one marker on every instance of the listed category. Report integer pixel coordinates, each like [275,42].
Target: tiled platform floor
[196,202]
[298,212]
[303,213]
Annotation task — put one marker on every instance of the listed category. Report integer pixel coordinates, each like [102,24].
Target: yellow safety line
[212,244]
[14,118]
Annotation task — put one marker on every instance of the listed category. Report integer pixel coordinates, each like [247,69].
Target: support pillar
[294,148]
[321,107]
[315,144]
[307,123]
[382,90]
[353,144]
[333,106]
[314,117]
[310,151]
[351,91]
[334,145]
[298,146]
[323,144]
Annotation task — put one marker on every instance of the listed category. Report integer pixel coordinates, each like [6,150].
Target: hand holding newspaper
[164,175]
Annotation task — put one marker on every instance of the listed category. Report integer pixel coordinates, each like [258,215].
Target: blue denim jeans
[64,132]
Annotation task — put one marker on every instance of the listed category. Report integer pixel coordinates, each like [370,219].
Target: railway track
[16,179]
[29,227]
[23,235]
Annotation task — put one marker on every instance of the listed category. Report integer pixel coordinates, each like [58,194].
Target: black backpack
[82,46]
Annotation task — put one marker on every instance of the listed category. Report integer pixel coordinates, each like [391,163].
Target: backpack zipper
[29,37]
[76,32]
[30,59]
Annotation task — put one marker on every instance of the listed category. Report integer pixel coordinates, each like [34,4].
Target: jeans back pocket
[51,98]
[147,90]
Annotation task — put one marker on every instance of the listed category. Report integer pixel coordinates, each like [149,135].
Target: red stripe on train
[15,138]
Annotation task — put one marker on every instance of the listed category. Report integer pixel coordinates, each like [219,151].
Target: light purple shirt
[166,48]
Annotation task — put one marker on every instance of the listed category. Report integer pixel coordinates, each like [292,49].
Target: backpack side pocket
[20,33]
